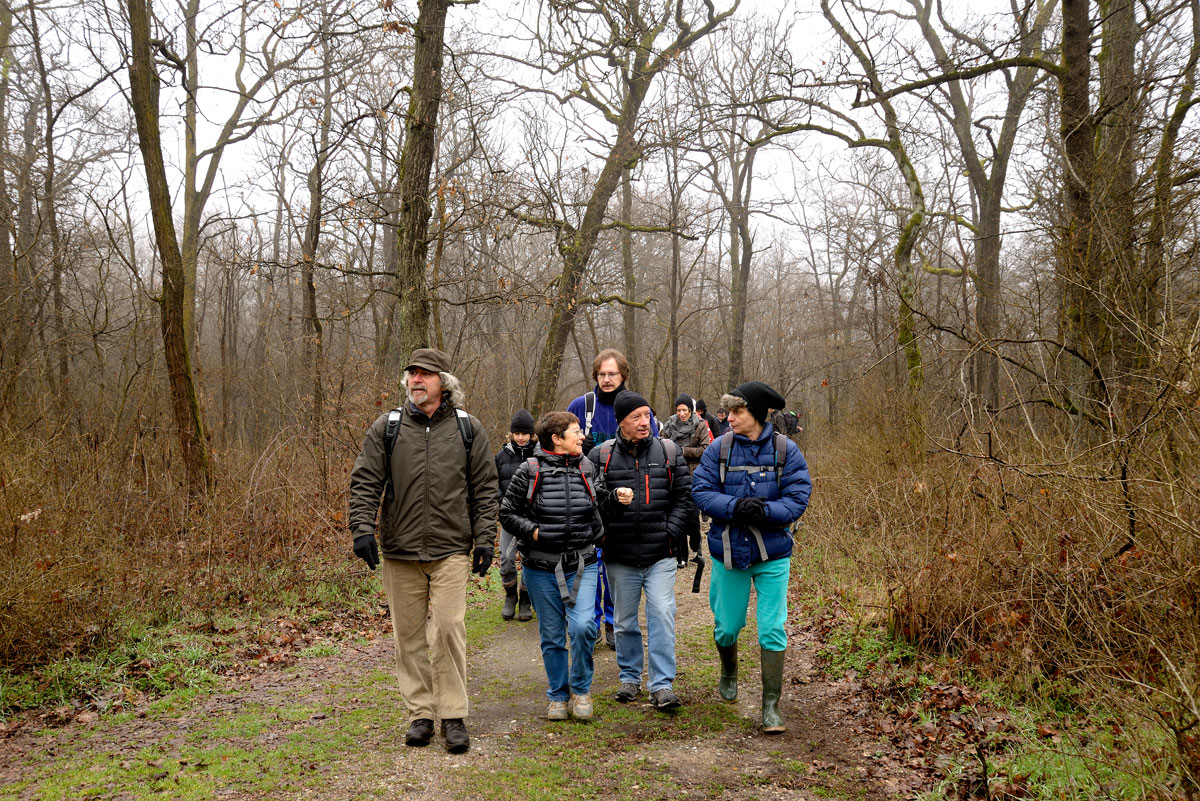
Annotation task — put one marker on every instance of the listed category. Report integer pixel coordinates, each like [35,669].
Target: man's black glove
[750,510]
[482,559]
[366,549]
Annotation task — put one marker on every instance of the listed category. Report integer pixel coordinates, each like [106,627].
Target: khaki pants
[428,601]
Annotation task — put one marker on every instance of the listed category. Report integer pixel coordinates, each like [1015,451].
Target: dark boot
[728,683]
[455,733]
[524,609]
[772,688]
[510,602]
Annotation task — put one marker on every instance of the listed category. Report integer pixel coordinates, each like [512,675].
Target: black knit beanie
[627,402]
[701,406]
[522,423]
[686,400]
[759,398]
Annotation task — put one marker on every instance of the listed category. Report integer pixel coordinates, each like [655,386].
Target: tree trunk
[628,313]
[143,84]
[1077,268]
[50,214]
[416,165]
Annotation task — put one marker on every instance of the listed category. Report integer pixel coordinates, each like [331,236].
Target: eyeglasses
[608,375]
[574,430]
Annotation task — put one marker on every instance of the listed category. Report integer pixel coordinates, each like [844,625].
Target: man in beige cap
[426,468]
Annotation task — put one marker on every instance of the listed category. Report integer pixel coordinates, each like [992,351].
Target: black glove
[694,541]
[366,549]
[750,510]
[482,559]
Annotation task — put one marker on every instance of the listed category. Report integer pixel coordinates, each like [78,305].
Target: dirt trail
[332,727]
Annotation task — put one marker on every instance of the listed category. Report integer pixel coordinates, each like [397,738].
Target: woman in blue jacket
[753,482]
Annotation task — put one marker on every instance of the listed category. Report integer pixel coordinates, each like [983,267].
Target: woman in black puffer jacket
[553,509]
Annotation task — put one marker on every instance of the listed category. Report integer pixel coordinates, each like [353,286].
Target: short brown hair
[551,424]
[605,355]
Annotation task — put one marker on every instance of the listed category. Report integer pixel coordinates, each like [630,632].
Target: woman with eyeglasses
[553,507]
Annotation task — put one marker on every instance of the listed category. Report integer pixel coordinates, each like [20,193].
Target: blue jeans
[556,621]
[729,598]
[658,583]
[604,600]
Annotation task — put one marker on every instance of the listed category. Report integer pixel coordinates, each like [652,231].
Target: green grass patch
[859,648]
[262,750]
[160,657]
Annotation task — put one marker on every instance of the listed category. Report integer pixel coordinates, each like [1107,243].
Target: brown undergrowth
[100,531]
[1066,579]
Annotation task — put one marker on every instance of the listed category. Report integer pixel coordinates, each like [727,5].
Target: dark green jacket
[429,517]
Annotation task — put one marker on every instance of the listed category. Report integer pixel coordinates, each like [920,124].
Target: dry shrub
[1035,573]
[100,529]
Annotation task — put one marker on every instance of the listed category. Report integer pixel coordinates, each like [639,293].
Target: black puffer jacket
[509,458]
[563,513]
[658,522]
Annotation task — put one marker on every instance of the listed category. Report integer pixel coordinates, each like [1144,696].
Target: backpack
[535,467]
[389,444]
[780,457]
[775,467]
[793,422]
[670,451]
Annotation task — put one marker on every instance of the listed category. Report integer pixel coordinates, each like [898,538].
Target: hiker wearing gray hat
[430,463]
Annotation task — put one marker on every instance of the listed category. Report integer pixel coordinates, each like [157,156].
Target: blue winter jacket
[787,497]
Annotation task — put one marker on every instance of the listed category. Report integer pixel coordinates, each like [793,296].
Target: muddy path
[332,727]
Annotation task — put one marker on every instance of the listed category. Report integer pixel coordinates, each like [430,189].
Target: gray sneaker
[628,692]
[581,706]
[665,699]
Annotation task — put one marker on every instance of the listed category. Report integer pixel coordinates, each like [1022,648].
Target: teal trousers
[729,598]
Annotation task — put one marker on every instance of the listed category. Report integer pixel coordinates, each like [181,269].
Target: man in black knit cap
[645,545]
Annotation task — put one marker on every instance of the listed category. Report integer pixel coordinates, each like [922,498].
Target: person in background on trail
[610,370]
[754,483]
[703,413]
[779,419]
[519,448]
[427,471]
[645,545]
[722,422]
[687,430]
[553,507]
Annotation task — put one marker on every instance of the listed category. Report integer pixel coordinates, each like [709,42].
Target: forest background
[961,242]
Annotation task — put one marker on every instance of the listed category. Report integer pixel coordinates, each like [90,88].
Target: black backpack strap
[389,445]
[468,438]
[533,479]
[586,468]
[606,451]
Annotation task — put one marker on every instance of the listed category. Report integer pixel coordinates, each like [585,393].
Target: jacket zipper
[567,490]
[425,528]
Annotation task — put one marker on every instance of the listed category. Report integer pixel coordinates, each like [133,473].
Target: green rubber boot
[510,603]
[772,688]
[728,684]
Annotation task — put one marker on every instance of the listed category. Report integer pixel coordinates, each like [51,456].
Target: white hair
[731,402]
[452,389]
